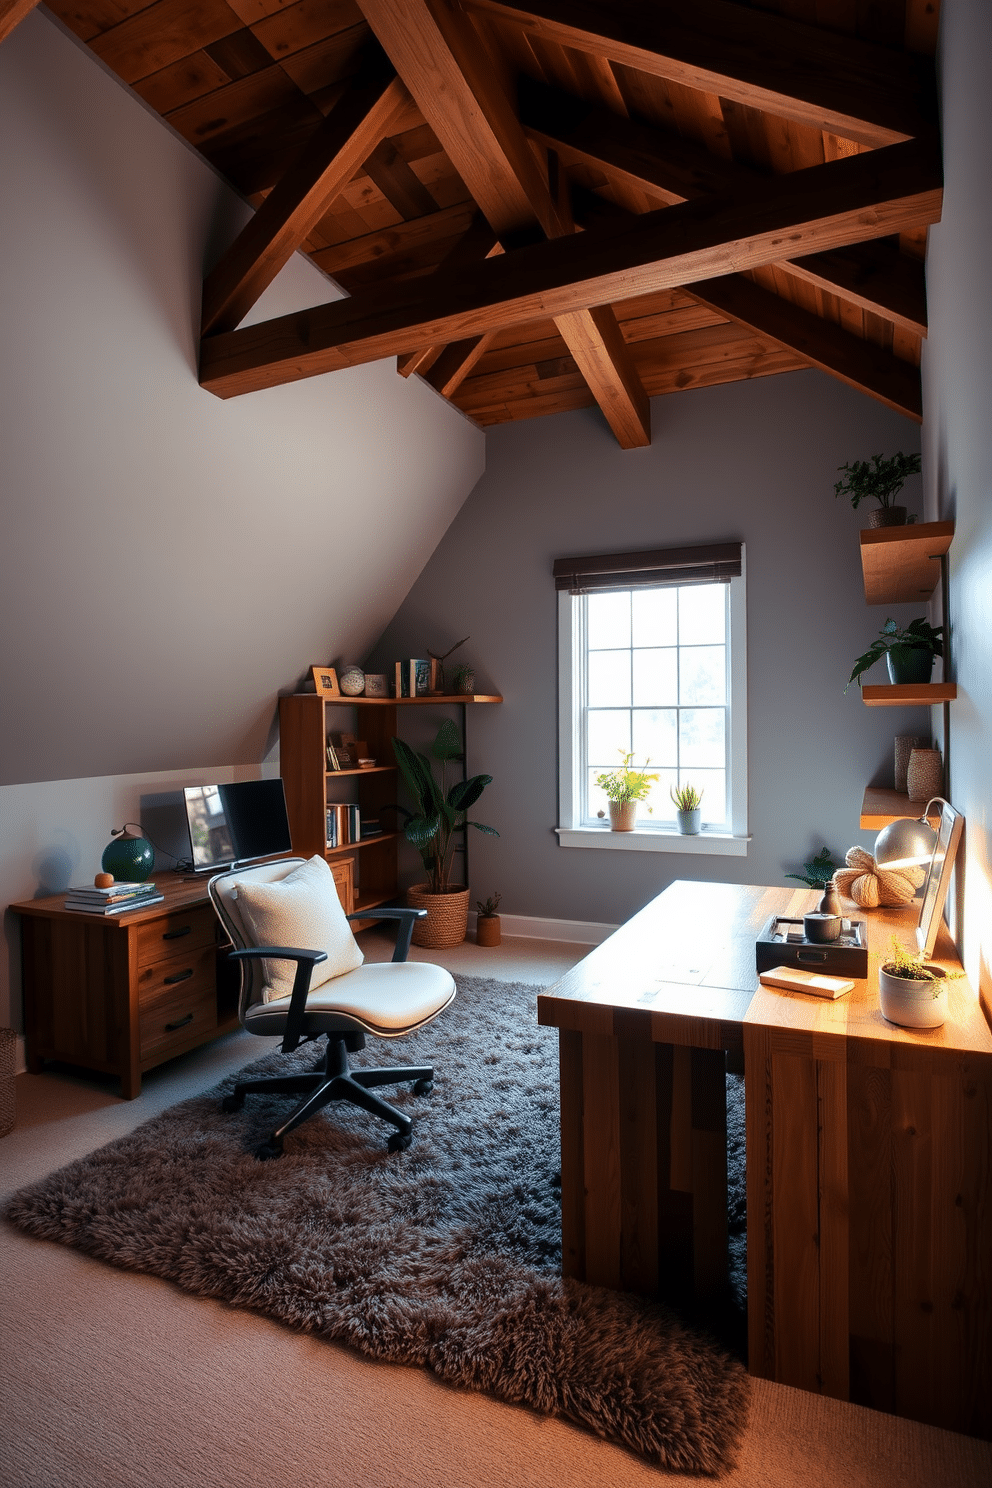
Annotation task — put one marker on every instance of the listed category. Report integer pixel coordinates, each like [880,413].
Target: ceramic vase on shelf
[623,816]
[924,775]
[905,744]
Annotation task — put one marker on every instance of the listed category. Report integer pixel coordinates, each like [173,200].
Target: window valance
[711,563]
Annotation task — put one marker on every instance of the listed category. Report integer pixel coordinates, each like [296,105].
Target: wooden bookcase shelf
[902,564]
[909,694]
[305,720]
[881,806]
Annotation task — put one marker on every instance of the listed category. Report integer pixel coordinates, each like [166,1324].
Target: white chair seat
[384,998]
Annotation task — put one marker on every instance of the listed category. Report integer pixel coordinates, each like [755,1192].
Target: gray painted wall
[756,461]
[172,562]
[958,445]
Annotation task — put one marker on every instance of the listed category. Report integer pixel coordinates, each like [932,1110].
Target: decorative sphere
[352,681]
[104,881]
[129,858]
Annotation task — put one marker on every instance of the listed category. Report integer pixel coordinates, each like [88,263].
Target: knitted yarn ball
[870,886]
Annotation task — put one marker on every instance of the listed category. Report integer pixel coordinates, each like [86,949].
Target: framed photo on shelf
[938,877]
[326,681]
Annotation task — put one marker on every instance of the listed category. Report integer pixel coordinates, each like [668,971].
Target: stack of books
[412,678]
[344,824]
[115,900]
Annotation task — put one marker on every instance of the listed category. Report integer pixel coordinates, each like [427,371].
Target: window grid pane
[666,702]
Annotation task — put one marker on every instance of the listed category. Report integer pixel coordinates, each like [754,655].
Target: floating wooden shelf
[881,806]
[367,770]
[902,564]
[909,694]
[345,847]
[418,702]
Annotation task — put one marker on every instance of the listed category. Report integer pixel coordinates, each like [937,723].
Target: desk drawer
[177,934]
[178,1008]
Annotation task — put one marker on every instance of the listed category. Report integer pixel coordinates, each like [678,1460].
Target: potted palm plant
[878,480]
[909,651]
[911,991]
[440,812]
[625,787]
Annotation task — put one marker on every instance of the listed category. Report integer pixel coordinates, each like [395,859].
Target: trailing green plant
[686,798]
[910,965]
[918,635]
[877,479]
[488,907]
[627,782]
[818,871]
[439,811]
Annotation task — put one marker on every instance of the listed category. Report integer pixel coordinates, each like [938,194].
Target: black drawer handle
[171,1027]
[178,934]
[818,956]
[180,976]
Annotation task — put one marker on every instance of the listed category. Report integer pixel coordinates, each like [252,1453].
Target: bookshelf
[305,720]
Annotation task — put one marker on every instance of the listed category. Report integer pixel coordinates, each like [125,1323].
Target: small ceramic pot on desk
[913,1003]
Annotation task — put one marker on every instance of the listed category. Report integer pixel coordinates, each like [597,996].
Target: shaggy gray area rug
[445,1256]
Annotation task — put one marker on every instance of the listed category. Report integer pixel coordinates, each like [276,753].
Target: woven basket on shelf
[8,1065]
[447,917]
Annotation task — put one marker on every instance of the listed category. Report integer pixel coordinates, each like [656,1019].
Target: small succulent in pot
[686,798]
[487,926]
[488,907]
[912,992]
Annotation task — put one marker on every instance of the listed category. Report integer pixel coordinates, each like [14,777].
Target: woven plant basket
[8,1064]
[447,917]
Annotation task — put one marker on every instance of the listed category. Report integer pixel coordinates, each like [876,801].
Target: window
[651,661]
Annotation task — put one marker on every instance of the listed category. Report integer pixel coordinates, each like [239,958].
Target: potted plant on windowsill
[879,480]
[911,991]
[909,651]
[688,809]
[438,814]
[625,787]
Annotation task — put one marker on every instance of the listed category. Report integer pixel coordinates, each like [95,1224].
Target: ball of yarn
[870,886]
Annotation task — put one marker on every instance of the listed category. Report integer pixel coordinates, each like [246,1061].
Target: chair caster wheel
[399,1141]
[271,1148]
[423,1087]
[232,1102]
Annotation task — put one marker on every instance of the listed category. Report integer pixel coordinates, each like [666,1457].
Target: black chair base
[335,1080]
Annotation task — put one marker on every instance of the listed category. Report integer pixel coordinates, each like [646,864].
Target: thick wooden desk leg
[644,1164]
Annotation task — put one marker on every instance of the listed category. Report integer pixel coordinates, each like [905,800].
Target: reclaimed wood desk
[869,1152]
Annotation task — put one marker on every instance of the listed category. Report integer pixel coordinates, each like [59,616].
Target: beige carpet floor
[111,1380]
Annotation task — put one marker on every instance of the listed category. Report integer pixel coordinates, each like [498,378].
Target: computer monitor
[237,823]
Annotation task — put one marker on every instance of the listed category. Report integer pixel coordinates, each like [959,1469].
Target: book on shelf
[344,824]
[419,677]
[135,901]
[401,683]
[332,757]
[370,827]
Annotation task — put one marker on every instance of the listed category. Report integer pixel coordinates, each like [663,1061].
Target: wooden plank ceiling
[548,205]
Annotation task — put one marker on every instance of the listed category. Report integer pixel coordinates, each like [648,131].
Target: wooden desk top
[178,892]
[682,971]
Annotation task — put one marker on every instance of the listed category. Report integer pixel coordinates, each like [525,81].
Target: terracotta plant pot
[887,516]
[623,815]
[447,916]
[487,930]
[913,1004]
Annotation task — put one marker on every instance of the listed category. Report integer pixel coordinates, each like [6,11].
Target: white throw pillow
[301,910]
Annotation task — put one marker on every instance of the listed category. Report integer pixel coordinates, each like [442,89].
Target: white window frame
[656,837]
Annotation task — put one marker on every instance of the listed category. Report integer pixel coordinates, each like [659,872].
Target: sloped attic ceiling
[542,206]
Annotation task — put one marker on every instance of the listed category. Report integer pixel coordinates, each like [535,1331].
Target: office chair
[272,912]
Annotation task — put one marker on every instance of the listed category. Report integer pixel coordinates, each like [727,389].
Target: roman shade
[711,563]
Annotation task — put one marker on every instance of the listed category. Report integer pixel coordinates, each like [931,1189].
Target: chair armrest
[404,929]
[305,963]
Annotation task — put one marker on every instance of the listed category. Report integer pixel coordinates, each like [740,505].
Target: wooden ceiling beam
[761,59]
[861,364]
[291,211]
[455,362]
[870,276]
[814,210]
[12,13]
[437,51]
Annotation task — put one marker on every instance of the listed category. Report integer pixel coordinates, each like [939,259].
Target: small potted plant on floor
[625,787]
[909,651]
[487,926]
[688,803]
[878,480]
[911,991]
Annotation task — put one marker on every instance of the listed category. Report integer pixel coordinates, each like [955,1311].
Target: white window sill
[654,839]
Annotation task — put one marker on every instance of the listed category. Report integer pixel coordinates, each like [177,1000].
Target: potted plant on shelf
[439,813]
[487,926]
[879,480]
[911,991]
[688,812]
[625,787]
[909,651]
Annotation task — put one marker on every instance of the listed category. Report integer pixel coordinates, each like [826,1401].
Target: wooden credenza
[124,993]
[869,1152]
